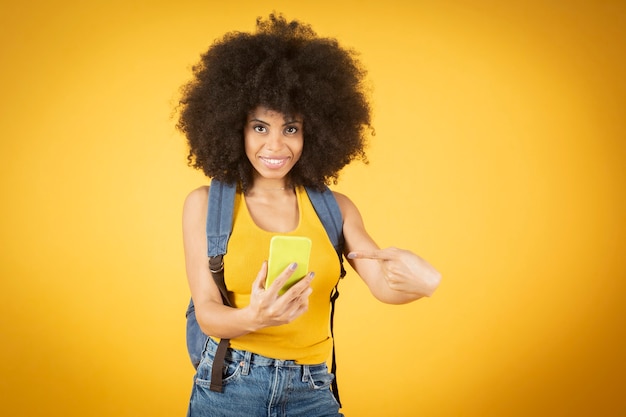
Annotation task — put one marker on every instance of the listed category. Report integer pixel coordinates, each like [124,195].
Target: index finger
[277,283]
[379,254]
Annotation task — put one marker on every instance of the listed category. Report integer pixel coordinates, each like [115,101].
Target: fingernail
[351,255]
[293,266]
[312,275]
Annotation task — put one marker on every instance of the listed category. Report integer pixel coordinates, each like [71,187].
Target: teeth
[273,161]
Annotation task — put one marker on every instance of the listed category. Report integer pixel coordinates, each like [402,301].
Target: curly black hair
[287,68]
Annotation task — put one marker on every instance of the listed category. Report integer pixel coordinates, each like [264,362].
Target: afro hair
[284,66]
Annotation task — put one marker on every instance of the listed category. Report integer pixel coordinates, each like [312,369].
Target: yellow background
[499,156]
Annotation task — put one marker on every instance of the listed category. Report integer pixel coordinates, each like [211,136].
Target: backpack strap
[218,227]
[328,211]
[219,217]
[219,223]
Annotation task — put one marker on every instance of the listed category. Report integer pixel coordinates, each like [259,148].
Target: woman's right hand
[268,308]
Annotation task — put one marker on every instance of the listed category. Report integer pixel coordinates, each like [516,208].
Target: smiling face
[273,143]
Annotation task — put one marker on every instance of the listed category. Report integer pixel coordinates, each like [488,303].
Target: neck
[274,187]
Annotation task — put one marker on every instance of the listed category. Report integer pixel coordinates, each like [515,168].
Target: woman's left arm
[394,276]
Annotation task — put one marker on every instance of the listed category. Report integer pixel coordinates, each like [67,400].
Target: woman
[275,111]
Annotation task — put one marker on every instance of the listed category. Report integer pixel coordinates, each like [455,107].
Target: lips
[273,162]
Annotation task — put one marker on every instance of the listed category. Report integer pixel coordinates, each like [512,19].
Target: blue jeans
[257,386]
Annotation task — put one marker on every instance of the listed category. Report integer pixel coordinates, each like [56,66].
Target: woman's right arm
[214,318]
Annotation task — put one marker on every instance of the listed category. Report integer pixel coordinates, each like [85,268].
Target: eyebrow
[289,122]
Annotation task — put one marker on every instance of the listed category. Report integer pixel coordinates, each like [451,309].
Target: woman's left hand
[403,270]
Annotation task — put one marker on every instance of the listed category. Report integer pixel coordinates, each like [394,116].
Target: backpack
[218,229]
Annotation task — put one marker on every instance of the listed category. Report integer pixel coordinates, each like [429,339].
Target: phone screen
[285,250]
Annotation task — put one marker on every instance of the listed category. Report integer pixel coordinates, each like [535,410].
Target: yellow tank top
[307,339]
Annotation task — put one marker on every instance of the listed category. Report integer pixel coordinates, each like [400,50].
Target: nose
[275,141]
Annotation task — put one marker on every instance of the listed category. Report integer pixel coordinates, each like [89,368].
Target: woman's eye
[260,129]
[291,130]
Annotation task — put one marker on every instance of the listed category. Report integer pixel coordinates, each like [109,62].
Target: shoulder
[353,226]
[342,199]
[196,200]
[347,207]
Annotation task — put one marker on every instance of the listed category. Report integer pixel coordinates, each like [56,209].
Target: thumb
[259,281]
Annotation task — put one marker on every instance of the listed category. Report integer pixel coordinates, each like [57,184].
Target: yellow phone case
[285,250]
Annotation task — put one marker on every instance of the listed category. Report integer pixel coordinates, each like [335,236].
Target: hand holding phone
[285,250]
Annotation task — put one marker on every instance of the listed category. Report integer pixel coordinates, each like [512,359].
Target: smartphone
[284,250]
